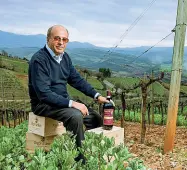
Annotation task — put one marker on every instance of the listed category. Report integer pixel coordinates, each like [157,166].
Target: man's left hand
[102,99]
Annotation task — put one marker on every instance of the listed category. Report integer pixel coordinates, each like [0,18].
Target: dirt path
[151,151]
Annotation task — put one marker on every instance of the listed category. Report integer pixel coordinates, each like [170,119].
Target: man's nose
[61,41]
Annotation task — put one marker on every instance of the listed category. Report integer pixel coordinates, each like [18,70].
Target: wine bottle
[108,110]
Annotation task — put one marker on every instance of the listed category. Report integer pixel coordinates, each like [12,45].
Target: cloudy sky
[100,22]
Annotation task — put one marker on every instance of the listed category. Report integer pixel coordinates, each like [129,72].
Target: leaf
[21,158]
[2,157]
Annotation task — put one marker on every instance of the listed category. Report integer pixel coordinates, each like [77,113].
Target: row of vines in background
[14,100]
[12,117]
[133,110]
[133,99]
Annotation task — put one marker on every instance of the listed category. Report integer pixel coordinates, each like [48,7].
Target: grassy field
[11,84]
[75,93]
[130,82]
[14,64]
[13,92]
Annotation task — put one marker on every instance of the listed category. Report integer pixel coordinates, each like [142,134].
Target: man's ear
[47,39]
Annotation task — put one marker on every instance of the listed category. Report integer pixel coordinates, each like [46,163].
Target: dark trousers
[71,118]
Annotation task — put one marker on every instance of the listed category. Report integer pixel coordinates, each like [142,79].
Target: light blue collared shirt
[58,58]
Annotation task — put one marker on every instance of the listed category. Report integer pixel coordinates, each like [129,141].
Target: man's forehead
[58,30]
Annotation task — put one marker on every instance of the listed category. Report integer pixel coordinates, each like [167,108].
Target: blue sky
[100,22]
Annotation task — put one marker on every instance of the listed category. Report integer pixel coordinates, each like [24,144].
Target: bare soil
[151,151]
[22,76]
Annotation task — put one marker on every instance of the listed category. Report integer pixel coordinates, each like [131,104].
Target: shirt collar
[52,53]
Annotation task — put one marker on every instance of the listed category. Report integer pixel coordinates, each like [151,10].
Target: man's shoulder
[67,57]
[66,54]
[40,55]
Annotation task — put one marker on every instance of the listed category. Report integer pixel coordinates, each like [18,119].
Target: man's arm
[76,81]
[41,84]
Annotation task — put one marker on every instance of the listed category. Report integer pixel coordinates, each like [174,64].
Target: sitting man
[50,70]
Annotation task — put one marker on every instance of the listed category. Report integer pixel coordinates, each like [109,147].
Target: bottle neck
[109,97]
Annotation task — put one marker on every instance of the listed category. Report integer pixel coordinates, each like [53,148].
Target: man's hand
[80,107]
[102,99]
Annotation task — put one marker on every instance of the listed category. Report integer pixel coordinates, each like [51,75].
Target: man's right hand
[80,107]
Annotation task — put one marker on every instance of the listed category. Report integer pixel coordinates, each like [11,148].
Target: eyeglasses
[57,38]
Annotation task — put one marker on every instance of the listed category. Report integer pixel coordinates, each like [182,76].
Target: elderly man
[50,70]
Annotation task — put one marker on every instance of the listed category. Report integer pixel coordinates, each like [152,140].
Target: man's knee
[77,117]
[93,120]
[75,123]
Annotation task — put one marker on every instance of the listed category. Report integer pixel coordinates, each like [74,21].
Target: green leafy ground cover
[100,153]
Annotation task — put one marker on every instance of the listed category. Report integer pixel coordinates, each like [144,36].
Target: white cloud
[98,22]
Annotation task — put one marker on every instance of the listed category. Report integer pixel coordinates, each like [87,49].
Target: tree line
[5,53]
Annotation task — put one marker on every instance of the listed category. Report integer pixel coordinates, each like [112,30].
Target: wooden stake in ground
[152,100]
[178,52]
[123,113]
[86,74]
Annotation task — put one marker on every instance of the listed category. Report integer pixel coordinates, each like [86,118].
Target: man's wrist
[70,103]
[97,96]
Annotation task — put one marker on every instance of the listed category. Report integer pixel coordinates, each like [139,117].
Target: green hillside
[130,82]
[14,73]
[11,85]
[14,64]
[13,93]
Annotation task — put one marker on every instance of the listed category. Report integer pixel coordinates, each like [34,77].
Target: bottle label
[108,117]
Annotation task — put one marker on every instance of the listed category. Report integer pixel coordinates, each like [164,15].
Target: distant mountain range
[93,57]
[11,40]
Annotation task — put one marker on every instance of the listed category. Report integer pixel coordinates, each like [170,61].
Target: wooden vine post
[86,74]
[178,52]
[152,101]
[3,101]
[123,112]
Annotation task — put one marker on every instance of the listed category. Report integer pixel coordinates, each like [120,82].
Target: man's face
[58,40]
